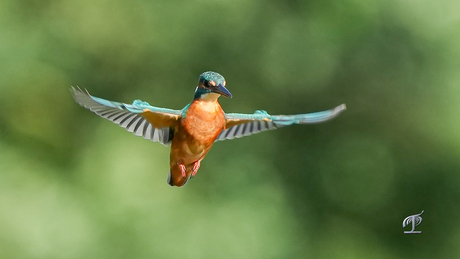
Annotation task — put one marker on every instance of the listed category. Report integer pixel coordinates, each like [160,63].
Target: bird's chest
[203,121]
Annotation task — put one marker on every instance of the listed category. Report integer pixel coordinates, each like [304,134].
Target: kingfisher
[192,131]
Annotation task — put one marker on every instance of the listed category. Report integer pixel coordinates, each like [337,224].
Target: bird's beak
[220,89]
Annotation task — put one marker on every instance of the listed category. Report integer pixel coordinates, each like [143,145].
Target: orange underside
[194,137]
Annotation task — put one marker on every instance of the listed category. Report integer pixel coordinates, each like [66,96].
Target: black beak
[220,89]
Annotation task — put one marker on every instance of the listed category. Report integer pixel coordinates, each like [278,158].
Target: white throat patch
[209,97]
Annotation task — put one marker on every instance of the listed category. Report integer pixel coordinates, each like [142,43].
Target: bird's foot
[183,169]
[196,166]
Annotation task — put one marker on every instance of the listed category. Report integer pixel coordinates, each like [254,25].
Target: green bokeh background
[73,185]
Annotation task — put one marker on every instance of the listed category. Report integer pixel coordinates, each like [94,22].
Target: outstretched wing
[140,118]
[241,125]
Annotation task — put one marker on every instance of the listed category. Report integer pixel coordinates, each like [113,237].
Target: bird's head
[211,85]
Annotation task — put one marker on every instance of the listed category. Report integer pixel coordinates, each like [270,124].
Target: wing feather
[138,131]
[247,130]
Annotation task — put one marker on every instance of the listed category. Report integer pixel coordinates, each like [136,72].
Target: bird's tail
[176,179]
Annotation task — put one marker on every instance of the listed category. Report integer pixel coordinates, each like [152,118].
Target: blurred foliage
[73,185]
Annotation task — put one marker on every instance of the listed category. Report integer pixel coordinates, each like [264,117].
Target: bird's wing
[140,118]
[241,125]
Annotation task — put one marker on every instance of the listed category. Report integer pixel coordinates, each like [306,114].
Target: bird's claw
[183,169]
[196,166]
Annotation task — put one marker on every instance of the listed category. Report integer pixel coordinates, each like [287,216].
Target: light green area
[73,185]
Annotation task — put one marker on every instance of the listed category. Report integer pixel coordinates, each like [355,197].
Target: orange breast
[204,121]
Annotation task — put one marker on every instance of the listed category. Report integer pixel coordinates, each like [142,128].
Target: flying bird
[192,131]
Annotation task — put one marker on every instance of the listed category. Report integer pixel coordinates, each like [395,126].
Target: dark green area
[73,185]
